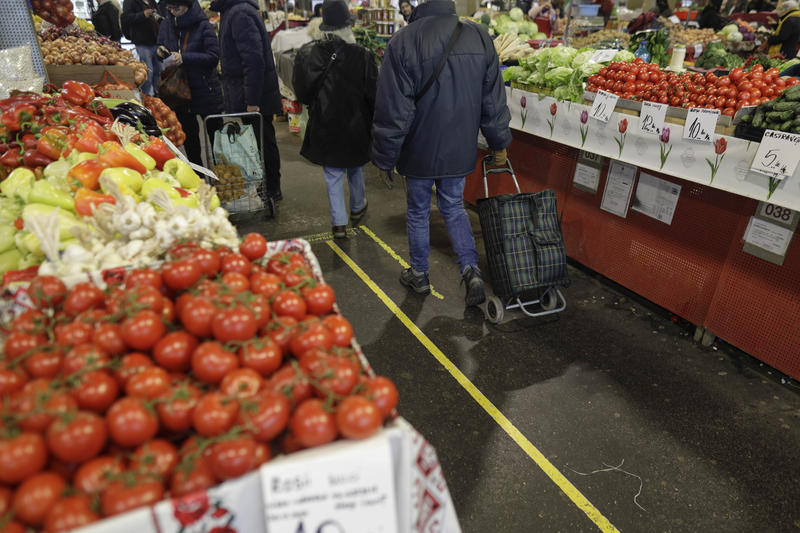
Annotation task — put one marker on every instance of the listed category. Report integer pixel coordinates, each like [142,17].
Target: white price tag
[604,104]
[782,215]
[601,56]
[698,50]
[651,119]
[777,155]
[700,124]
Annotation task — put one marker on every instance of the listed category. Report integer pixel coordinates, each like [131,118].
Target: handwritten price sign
[651,119]
[777,155]
[604,104]
[700,124]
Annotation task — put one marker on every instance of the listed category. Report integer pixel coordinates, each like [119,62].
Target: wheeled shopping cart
[524,249]
[241,189]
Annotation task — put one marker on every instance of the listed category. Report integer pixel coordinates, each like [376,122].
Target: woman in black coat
[187,38]
[106,19]
[337,79]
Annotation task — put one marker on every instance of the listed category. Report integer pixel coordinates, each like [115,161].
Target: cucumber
[796,129]
[768,105]
[786,106]
[796,122]
[746,119]
[780,116]
[785,126]
[758,118]
[792,93]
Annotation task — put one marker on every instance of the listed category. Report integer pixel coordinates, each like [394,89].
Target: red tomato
[241,383]
[35,496]
[143,330]
[319,299]
[93,475]
[144,297]
[340,328]
[120,497]
[108,337]
[358,418]
[211,362]
[265,283]
[207,260]
[130,422]
[757,68]
[197,316]
[174,351]
[262,355]
[85,356]
[383,393]
[37,405]
[289,303]
[329,374]
[157,456]
[729,111]
[69,513]
[96,391]
[19,343]
[198,477]
[83,296]
[45,363]
[235,282]
[312,425]
[232,458]
[214,414]
[148,384]
[711,78]
[267,416]
[77,439]
[176,405]
[290,381]
[181,275]
[253,246]
[21,457]
[47,291]
[736,74]
[131,364]
[236,324]
[310,337]
[141,277]
[281,331]
[236,263]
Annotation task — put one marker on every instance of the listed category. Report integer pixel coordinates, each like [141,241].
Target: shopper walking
[439,84]
[140,22]
[336,78]
[187,38]
[106,19]
[249,79]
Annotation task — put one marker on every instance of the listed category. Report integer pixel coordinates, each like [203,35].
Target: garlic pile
[130,234]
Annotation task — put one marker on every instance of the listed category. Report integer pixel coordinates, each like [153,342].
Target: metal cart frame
[245,206]
[550,300]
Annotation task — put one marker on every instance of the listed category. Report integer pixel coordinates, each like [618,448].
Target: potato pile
[73,50]
[604,36]
[231,183]
[680,35]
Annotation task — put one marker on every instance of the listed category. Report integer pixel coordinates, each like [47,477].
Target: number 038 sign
[777,155]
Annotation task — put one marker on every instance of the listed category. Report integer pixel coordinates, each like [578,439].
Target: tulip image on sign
[552,123]
[584,126]
[664,138]
[623,127]
[523,114]
[720,145]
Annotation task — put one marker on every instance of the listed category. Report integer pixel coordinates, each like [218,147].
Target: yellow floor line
[394,254]
[547,467]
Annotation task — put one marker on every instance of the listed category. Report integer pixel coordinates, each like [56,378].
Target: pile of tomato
[172,380]
[645,81]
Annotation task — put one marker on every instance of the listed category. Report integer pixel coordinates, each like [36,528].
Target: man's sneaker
[358,215]
[474,282]
[339,232]
[417,282]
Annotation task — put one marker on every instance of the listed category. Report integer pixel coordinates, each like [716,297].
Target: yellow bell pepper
[141,156]
[153,184]
[187,177]
[124,177]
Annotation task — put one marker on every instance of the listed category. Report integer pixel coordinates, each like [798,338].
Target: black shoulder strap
[322,76]
[442,62]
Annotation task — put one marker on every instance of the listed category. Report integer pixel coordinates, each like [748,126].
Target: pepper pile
[172,381]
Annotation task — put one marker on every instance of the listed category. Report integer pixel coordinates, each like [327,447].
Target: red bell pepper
[12,158]
[19,223]
[86,174]
[34,158]
[55,116]
[100,109]
[15,117]
[22,98]
[113,155]
[77,112]
[86,201]
[26,274]
[53,142]
[28,141]
[77,92]
[158,150]
[90,137]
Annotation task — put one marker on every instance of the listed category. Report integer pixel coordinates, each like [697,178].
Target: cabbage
[539,36]
[527,27]
[523,37]
[568,92]
[558,76]
[623,55]
[729,29]
[516,14]
[589,68]
[537,78]
[735,37]
[515,73]
[561,56]
[581,58]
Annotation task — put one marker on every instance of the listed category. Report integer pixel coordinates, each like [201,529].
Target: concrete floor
[710,439]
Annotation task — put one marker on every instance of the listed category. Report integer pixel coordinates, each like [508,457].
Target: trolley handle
[486,160]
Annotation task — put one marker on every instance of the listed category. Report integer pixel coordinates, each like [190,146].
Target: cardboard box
[91,74]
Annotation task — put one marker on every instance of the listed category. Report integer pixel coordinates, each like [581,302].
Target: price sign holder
[651,119]
[602,56]
[603,106]
[698,50]
[769,232]
[587,171]
[701,124]
[777,155]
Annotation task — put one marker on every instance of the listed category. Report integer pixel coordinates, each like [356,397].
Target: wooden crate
[90,74]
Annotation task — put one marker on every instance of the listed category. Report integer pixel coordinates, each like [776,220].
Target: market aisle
[713,441]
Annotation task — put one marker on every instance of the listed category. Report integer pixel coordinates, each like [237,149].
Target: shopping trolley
[524,249]
[243,195]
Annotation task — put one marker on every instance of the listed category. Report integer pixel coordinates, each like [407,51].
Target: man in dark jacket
[336,78]
[140,21]
[711,17]
[106,19]
[432,138]
[187,38]
[249,79]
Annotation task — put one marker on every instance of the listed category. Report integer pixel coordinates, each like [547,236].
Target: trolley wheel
[548,300]
[269,212]
[494,310]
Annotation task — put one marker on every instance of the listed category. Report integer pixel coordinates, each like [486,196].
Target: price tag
[674,19]
[651,119]
[601,56]
[604,104]
[698,50]
[700,124]
[777,155]
[781,215]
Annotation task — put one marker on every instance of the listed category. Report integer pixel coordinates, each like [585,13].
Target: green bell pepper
[187,177]
[18,184]
[44,192]
[124,176]
[141,156]
[9,260]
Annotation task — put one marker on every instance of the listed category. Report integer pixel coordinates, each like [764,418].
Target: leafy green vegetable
[623,55]
[558,76]
[715,55]
[516,14]
[561,56]
[516,73]
[790,63]
[657,45]
[581,58]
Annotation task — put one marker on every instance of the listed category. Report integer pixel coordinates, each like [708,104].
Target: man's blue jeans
[334,179]
[147,54]
[449,199]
